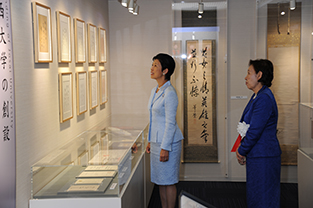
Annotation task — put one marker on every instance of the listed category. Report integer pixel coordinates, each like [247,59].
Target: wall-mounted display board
[80,40]
[93,89]
[102,46]
[66,96]
[200,143]
[103,82]
[42,32]
[92,46]
[81,92]
[64,37]
[7,118]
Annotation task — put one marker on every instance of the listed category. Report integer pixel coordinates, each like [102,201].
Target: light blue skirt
[165,173]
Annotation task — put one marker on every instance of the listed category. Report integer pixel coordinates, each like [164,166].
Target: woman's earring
[163,73]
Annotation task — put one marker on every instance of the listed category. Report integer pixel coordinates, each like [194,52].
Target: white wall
[134,40]
[38,130]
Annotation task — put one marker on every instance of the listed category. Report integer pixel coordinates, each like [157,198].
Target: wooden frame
[80,40]
[92,46]
[102,46]
[81,92]
[42,33]
[66,96]
[93,89]
[103,85]
[64,37]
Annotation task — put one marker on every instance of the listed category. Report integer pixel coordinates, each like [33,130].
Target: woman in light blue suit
[164,134]
[260,149]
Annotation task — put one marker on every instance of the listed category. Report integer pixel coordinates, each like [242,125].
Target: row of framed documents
[96,37]
[95,95]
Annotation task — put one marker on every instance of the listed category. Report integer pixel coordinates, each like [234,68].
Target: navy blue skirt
[263,182]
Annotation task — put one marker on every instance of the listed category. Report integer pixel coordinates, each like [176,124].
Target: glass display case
[97,163]
[305,155]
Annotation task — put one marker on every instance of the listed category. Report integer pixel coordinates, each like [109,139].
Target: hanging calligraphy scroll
[200,144]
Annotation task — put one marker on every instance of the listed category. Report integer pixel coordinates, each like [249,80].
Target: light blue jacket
[163,127]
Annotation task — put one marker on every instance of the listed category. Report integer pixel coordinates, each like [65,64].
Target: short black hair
[167,62]
[267,69]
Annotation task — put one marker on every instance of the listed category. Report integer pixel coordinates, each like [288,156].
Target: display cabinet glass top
[308,151]
[95,164]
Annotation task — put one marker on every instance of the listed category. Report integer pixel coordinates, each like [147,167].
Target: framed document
[80,41]
[92,46]
[42,33]
[66,96]
[200,122]
[81,92]
[64,37]
[102,46]
[93,89]
[103,86]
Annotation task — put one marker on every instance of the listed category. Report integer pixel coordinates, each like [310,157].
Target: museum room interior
[76,85]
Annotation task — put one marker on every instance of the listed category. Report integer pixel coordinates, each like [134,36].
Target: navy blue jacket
[262,115]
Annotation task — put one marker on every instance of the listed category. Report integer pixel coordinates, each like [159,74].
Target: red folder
[237,143]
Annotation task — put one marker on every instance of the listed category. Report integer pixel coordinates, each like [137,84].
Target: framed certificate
[42,32]
[92,46]
[102,46]
[66,96]
[64,37]
[80,41]
[93,89]
[81,92]
[103,82]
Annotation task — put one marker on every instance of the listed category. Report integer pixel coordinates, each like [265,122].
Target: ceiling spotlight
[136,10]
[199,16]
[292,4]
[282,13]
[131,6]
[200,8]
[124,3]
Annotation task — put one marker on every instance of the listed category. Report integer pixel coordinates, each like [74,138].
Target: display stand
[100,168]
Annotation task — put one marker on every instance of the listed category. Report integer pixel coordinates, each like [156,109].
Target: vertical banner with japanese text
[200,143]
[7,121]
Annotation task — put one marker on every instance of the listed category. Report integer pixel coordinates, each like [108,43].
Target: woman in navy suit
[260,149]
[164,135]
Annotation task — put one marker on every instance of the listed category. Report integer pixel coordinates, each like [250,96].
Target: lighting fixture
[282,13]
[136,10]
[292,4]
[200,7]
[199,16]
[124,3]
[131,6]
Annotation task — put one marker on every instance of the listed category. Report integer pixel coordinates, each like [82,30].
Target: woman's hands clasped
[241,159]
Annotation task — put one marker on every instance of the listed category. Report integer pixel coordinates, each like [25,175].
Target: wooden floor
[226,194]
